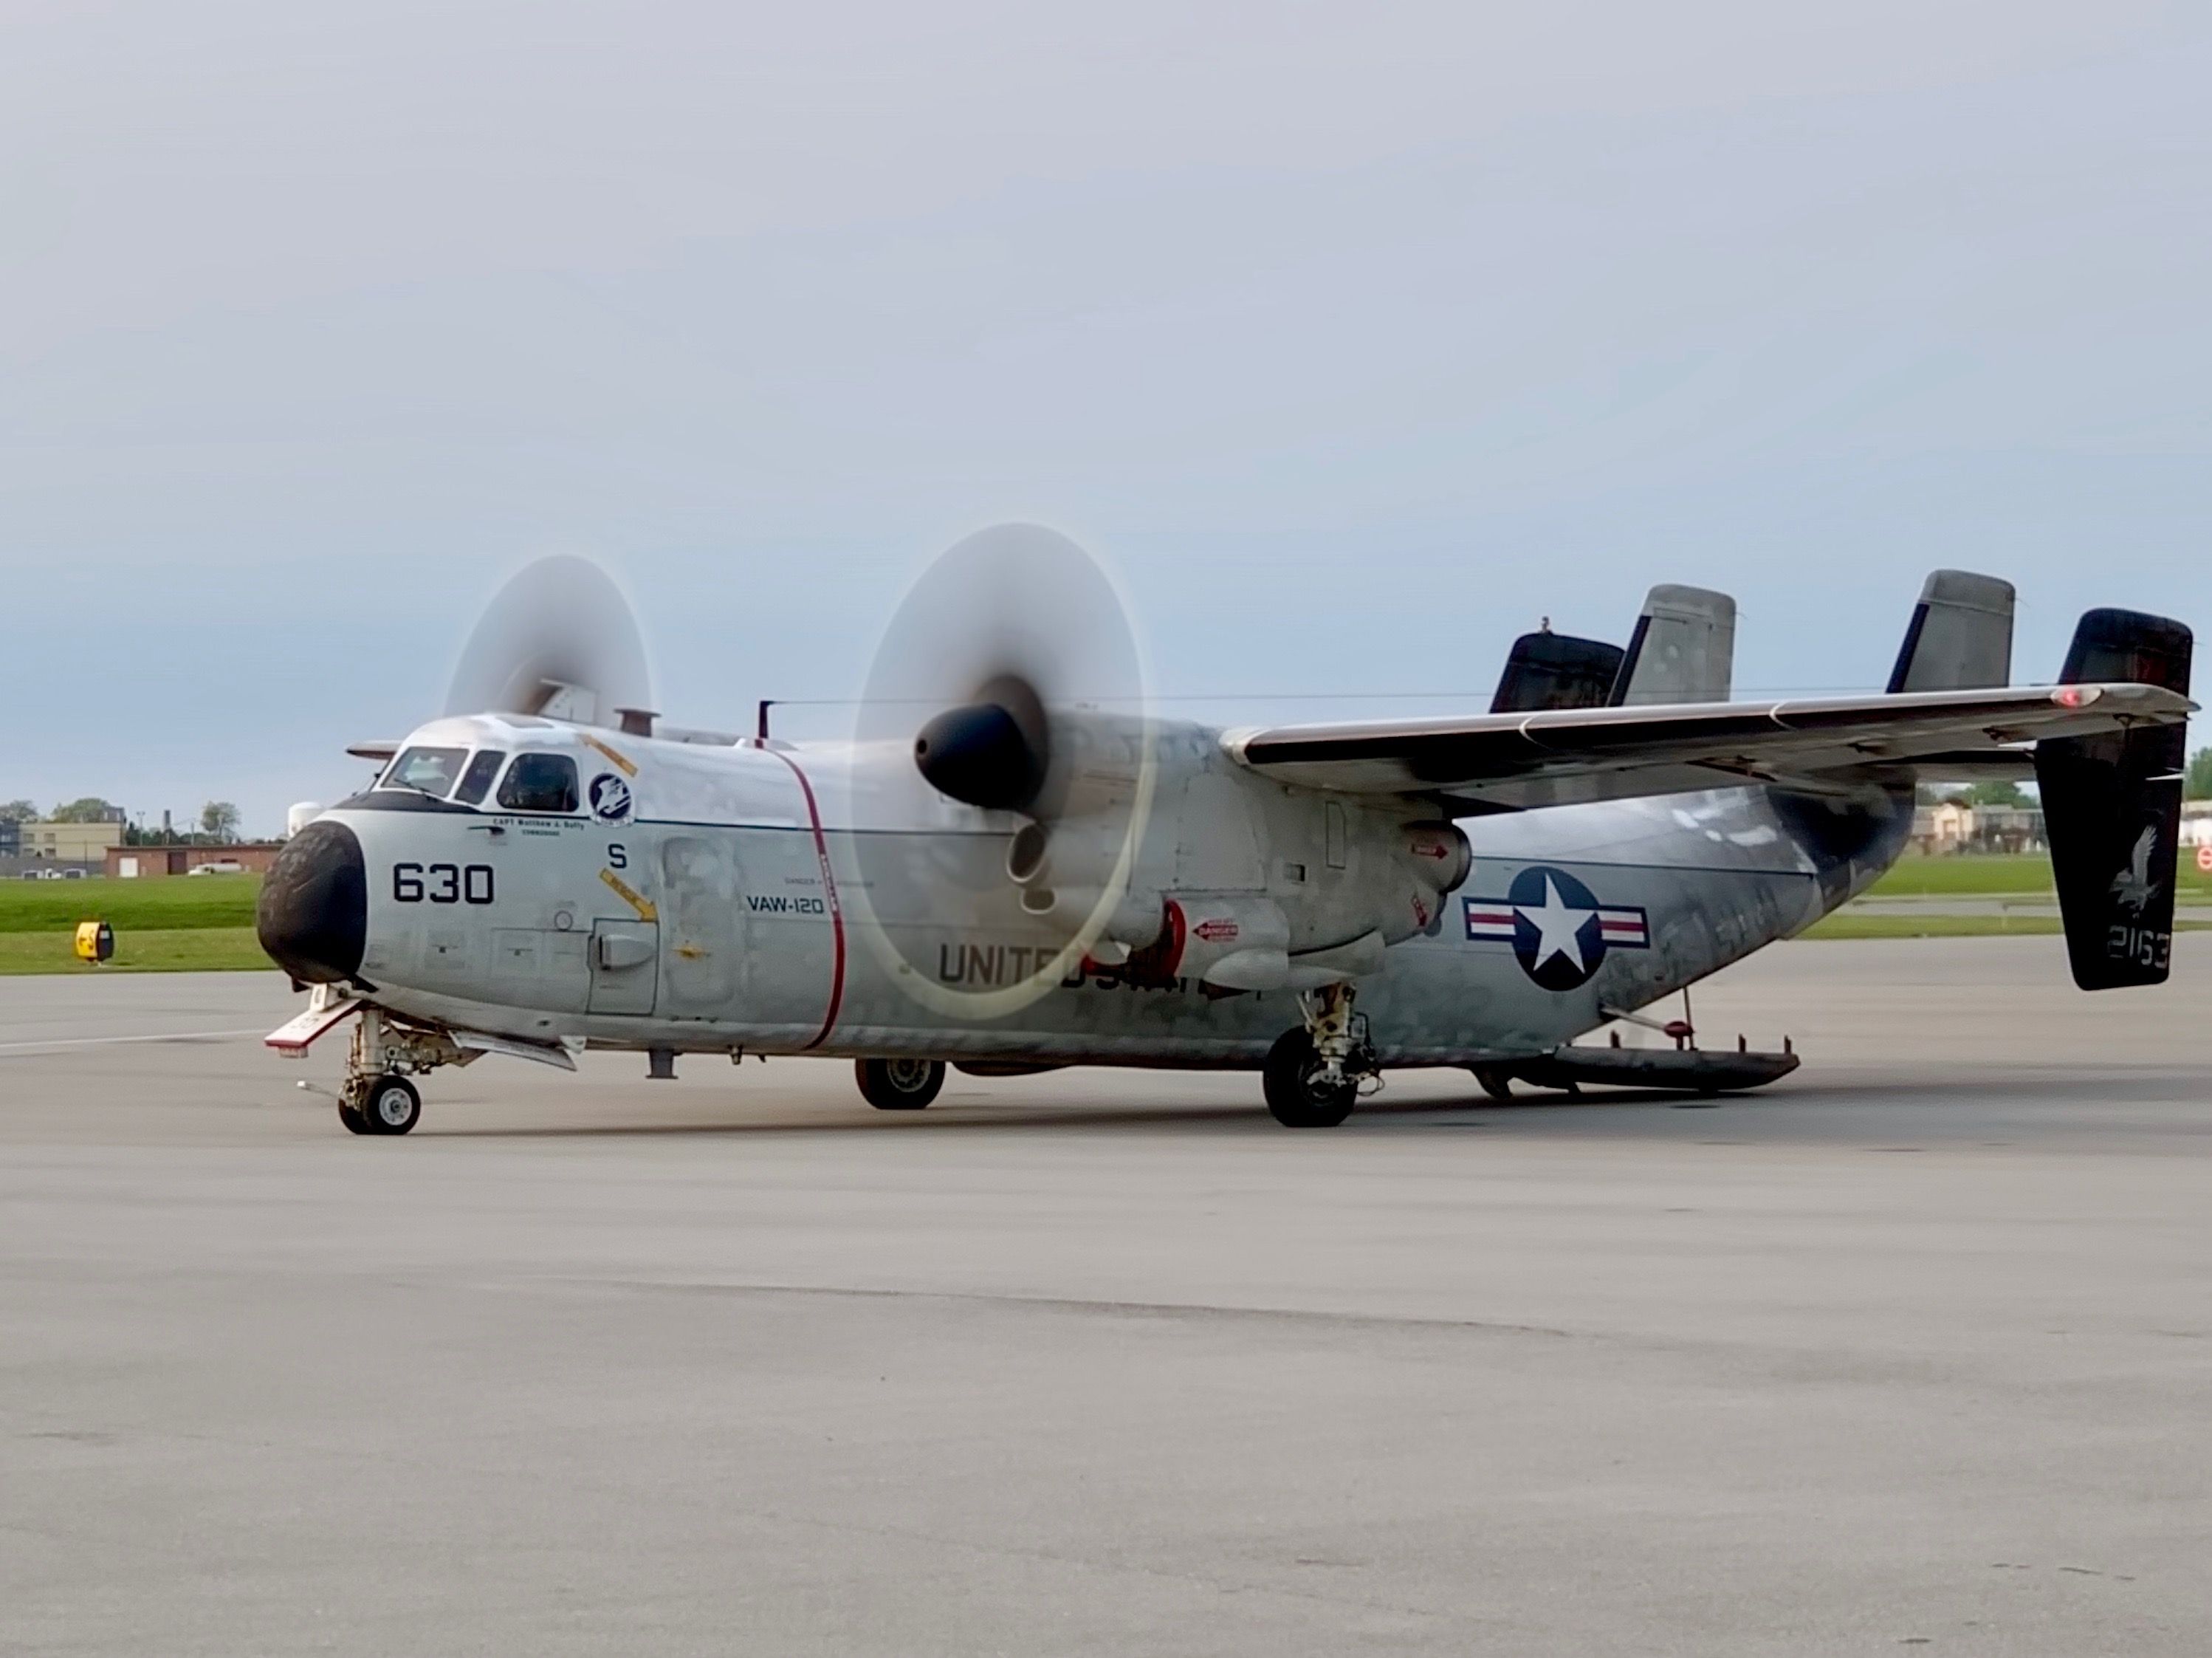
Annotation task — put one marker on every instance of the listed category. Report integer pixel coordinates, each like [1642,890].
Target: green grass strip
[179,950]
[151,903]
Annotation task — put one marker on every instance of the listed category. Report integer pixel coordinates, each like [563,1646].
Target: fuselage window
[539,783]
[476,782]
[426,770]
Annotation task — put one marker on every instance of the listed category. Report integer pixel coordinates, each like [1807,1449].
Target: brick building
[132,862]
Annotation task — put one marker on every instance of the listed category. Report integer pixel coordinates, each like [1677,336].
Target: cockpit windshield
[539,783]
[426,770]
[476,780]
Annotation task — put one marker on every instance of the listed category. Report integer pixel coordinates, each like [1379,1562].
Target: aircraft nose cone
[313,916]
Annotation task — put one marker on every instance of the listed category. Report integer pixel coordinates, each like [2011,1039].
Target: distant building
[67,843]
[136,862]
[1950,827]
[2196,823]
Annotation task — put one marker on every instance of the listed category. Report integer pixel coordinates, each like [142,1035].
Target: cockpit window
[426,770]
[476,780]
[539,783]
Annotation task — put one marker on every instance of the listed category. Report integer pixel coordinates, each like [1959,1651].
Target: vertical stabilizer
[1683,650]
[1960,638]
[2111,807]
[1551,670]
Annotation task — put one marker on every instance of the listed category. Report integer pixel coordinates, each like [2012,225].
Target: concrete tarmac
[1913,1350]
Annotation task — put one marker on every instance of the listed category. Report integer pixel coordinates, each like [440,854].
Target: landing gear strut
[1312,1075]
[376,1097]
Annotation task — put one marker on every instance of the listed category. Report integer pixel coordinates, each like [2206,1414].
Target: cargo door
[625,965]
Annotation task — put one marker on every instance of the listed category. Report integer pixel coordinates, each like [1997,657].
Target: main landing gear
[900,1084]
[376,1097]
[1312,1075]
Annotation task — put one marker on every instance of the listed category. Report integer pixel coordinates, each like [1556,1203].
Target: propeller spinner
[1013,676]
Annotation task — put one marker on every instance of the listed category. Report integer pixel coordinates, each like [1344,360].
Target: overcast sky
[1356,337]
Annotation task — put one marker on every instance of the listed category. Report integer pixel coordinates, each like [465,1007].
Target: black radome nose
[313,916]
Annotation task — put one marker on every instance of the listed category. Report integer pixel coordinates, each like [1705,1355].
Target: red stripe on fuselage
[830,895]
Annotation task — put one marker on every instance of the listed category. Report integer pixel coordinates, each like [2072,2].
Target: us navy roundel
[1559,932]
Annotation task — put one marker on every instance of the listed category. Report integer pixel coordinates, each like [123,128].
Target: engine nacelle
[1241,941]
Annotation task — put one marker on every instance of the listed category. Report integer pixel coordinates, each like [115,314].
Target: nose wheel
[393,1105]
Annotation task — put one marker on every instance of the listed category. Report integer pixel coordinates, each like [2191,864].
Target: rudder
[2111,807]
[1550,670]
[1960,638]
[1683,650]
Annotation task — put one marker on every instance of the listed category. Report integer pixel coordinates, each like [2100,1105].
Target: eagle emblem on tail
[2135,886]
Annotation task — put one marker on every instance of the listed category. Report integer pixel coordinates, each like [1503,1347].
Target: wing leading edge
[1507,762]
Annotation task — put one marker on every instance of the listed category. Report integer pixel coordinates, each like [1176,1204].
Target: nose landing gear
[376,1097]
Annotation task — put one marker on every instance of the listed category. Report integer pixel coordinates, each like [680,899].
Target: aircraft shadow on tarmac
[2088,1091]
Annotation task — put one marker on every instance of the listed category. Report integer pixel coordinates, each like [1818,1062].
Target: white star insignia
[1558,929]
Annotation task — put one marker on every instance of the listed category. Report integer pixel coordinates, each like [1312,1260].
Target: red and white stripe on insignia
[1623,929]
[1489,920]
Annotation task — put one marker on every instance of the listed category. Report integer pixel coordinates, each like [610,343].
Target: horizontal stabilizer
[1558,758]
[2111,807]
[1683,650]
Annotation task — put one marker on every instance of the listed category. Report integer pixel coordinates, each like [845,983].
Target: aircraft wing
[1507,762]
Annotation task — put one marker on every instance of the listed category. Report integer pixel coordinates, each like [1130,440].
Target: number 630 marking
[441,883]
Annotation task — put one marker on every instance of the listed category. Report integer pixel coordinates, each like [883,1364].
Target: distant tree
[2001,791]
[2199,784]
[218,822]
[17,811]
[90,809]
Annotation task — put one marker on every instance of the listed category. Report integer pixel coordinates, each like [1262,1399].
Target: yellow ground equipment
[95,941]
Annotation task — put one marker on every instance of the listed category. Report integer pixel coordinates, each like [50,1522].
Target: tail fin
[2111,806]
[1555,670]
[1683,650]
[1960,638]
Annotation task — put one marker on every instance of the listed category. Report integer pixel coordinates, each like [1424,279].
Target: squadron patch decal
[1558,930]
[609,798]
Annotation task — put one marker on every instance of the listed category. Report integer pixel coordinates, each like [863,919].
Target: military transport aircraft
[1016,864]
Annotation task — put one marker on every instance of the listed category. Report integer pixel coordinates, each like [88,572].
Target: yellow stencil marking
[629,769]
[630,896]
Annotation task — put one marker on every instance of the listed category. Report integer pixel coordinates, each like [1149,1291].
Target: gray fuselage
[737,900]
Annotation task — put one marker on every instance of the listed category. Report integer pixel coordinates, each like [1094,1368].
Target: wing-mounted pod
[2111,806]
[1683,650]
[1010,681]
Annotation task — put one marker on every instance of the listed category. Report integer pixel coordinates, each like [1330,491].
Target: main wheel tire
[1295,1096]
[392,1107]
[1496,1082]
[355,1120]
[900,1084]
